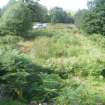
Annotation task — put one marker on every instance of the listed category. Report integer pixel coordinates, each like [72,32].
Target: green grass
[68,50]
[78,58]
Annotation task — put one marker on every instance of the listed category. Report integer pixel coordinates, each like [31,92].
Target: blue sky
[65,4]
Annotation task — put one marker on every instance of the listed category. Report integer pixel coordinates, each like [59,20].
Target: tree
[93,20]
[79,17]
[58,15]
[98,9]
[69,18]
[39,12]
[17,19]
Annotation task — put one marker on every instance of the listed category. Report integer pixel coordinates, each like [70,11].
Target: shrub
[10,102]
[80,95]
[23,80]
[58,15]
[79,17]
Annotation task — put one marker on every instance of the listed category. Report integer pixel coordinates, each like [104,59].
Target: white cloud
[66,4]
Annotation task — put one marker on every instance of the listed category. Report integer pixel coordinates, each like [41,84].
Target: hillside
[79,60]
[50,55]
[57,65]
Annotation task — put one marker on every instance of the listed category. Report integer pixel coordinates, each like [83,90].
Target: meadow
[78,58]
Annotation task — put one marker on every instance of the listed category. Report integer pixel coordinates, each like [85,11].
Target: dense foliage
[59,68]
[93,20]
[23,80]
[79,18]
[16,20]
[58,15]
[39,12]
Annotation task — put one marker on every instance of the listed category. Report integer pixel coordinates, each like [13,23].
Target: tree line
[41,13]
[92,20]
[17,17]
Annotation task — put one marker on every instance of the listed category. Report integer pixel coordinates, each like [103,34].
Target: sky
[3,2]
[66,4]
[73,5]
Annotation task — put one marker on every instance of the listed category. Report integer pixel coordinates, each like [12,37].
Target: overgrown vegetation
[92,20]
[80,61]
[56,65]
[23,80]
[69,54]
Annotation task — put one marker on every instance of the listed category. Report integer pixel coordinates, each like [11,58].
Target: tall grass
[78,58]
